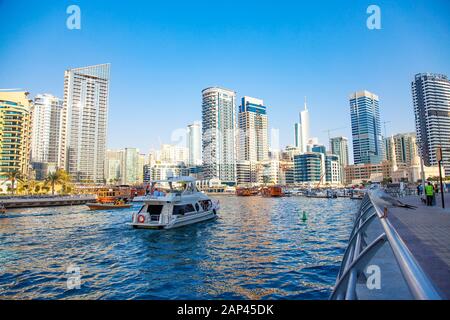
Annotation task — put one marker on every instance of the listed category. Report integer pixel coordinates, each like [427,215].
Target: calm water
[258,249]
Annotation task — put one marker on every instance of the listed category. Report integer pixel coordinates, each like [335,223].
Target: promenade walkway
[426,232]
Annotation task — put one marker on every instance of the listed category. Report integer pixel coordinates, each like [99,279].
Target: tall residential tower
[218,134]
[15,132]
[194,144]
[431,97]
[253,130]
[339,147]
[46,129]
[86,94]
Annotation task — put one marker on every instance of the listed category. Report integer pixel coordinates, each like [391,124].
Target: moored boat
[272,191]
[246,191]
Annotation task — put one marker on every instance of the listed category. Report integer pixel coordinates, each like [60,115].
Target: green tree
[13,177]
[56,178]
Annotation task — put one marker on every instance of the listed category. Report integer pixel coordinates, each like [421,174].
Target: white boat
[176,208]
[141,198]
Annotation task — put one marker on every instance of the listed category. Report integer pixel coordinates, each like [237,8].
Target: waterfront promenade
[46,201]
[426,232]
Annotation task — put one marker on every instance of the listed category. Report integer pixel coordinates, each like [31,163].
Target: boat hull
[178,222]
[101,206]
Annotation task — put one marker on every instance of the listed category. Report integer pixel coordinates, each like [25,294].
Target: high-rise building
[298,135]
[142,159]
[402,148]
[170,153]
[86,94]
[46,129]
[218,134]
[15,132]
[130,166]
[113,166]
[366,128]
[339,147]
[332,169]
[309,167]
[431,98]
[320,148]
[194,144]
[302,130]
[253,130]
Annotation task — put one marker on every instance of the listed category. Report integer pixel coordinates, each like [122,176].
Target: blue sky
[163,54]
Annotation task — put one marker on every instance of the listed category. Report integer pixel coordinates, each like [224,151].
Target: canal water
[259,248]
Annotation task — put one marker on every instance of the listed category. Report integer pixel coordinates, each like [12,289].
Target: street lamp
[439,153]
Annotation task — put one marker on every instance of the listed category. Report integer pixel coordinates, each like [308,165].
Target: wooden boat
[110,195]
[108,206]
[273,191]
[246,192]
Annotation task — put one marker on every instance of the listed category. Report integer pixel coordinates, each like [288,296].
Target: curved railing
[373,234]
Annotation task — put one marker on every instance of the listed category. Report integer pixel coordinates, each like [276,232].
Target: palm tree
[57,177]
[13,176]
[53,178]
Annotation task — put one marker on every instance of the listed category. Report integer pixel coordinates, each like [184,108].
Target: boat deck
[426,232]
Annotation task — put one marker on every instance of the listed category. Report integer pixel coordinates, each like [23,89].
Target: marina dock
[426,233]
[408,247]
[31,202]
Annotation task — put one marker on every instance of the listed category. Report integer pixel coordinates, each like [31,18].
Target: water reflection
[260,248]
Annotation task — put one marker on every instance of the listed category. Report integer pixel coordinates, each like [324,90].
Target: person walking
[429,193]
[419,189]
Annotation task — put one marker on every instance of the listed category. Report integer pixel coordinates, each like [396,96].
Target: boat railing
[377,264]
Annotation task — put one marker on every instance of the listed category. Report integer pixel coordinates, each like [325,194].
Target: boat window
[197,207]
[206,204]
[155,209]
[182,209]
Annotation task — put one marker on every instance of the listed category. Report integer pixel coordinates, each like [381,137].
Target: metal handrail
[357,254]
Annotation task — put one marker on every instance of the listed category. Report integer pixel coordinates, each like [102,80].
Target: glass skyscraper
[366,128]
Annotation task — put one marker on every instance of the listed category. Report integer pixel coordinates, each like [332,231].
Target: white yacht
[179,205]
[141,198]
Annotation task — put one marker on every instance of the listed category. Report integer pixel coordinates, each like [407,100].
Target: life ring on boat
[141,218]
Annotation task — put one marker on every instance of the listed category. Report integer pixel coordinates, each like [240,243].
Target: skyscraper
[431,98]
[253,130]
[302,130]
[86,94]
[113,166]
[218,134]
[15,132]
[402,147]
[366,128]
[298,135]
[130,170]
[339,147]
[46,129]
[194,144]
[309,167]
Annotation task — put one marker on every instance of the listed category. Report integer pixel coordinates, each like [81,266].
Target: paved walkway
[426,232]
